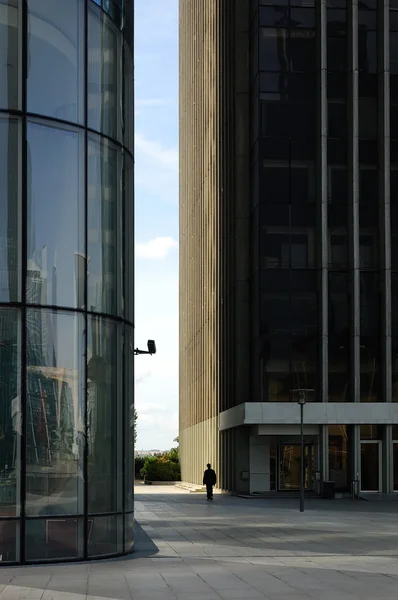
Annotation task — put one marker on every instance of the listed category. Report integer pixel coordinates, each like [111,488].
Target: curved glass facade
[66,279]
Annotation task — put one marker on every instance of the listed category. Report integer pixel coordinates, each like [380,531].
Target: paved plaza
[232,549]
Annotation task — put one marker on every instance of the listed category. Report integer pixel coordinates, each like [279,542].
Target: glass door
[370,466]
[290,467]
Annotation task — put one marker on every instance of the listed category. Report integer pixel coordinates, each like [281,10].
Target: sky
[156,221]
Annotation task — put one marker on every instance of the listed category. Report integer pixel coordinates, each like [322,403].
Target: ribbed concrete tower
[214,230]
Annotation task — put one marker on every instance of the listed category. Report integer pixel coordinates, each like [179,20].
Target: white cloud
[156,170]
[155,249]
[156,151]
[150,102]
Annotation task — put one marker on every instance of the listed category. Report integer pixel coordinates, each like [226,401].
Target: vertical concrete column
[259,464]
[356,448]
[322,197]
[353,196]
[324,452]
[384,230]
[242,201]
[384,196]
[387,461]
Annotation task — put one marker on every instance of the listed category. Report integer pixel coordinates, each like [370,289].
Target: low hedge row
[157,468]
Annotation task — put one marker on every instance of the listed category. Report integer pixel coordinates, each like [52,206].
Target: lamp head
[151,346]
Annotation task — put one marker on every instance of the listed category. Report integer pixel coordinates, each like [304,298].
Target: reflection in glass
[340,457]
[9,63]
[394,336]
[55,216]
[290,467]
[370,387]
[56,59]
[10,412]
[103,74]
[129,532]
[106,536]
[370,466]
[276,372]
[9,533]
[128,98]
[395,465]
[104,416]
[273,462]
[9,209]
[55,405]
[103,219]
[129,419]
[371,432]
[128,222]
[54,539]
[338,340]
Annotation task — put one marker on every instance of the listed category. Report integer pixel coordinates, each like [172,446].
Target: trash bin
[328,490]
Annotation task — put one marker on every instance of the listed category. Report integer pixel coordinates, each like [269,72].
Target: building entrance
[370,466]
[290,467]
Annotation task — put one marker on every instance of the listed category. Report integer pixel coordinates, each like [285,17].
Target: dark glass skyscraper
[289,254]
[66,279]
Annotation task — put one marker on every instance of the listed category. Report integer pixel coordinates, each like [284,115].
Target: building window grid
[368,253]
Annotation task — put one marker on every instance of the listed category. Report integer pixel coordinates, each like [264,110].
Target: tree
[177,439]
[135,426]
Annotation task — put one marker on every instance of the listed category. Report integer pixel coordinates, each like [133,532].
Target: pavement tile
[11,592]
[238,594]
[60,595]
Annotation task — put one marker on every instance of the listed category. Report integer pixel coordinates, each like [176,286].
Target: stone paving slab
[232,549]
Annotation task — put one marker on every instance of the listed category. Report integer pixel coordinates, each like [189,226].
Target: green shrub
[157,469]
[138,465]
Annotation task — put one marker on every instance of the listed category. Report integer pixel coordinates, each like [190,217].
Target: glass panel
[128,221]
[104,413]
[394,220]
[273,50]
[55,216]
[129,532]
[105,535]
[395,460]
[54,539]
[10,412]
[340,457]
[112,7]
[394,337]
[10,213]
[290,467]
[370,338]
[56,59]
[338,341]
[370,467]
[9,54]
[129,421]
[277,381]
[9,541]
[371,432]
[55,407]
[103,235]
[104,64]
[128,98]
[273,460]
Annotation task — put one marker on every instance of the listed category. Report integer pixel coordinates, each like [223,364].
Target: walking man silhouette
[209,479]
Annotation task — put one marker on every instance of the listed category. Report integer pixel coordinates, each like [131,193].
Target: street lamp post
[302,394]
[302,400]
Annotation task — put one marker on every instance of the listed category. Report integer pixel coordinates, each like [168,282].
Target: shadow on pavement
[144,546]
